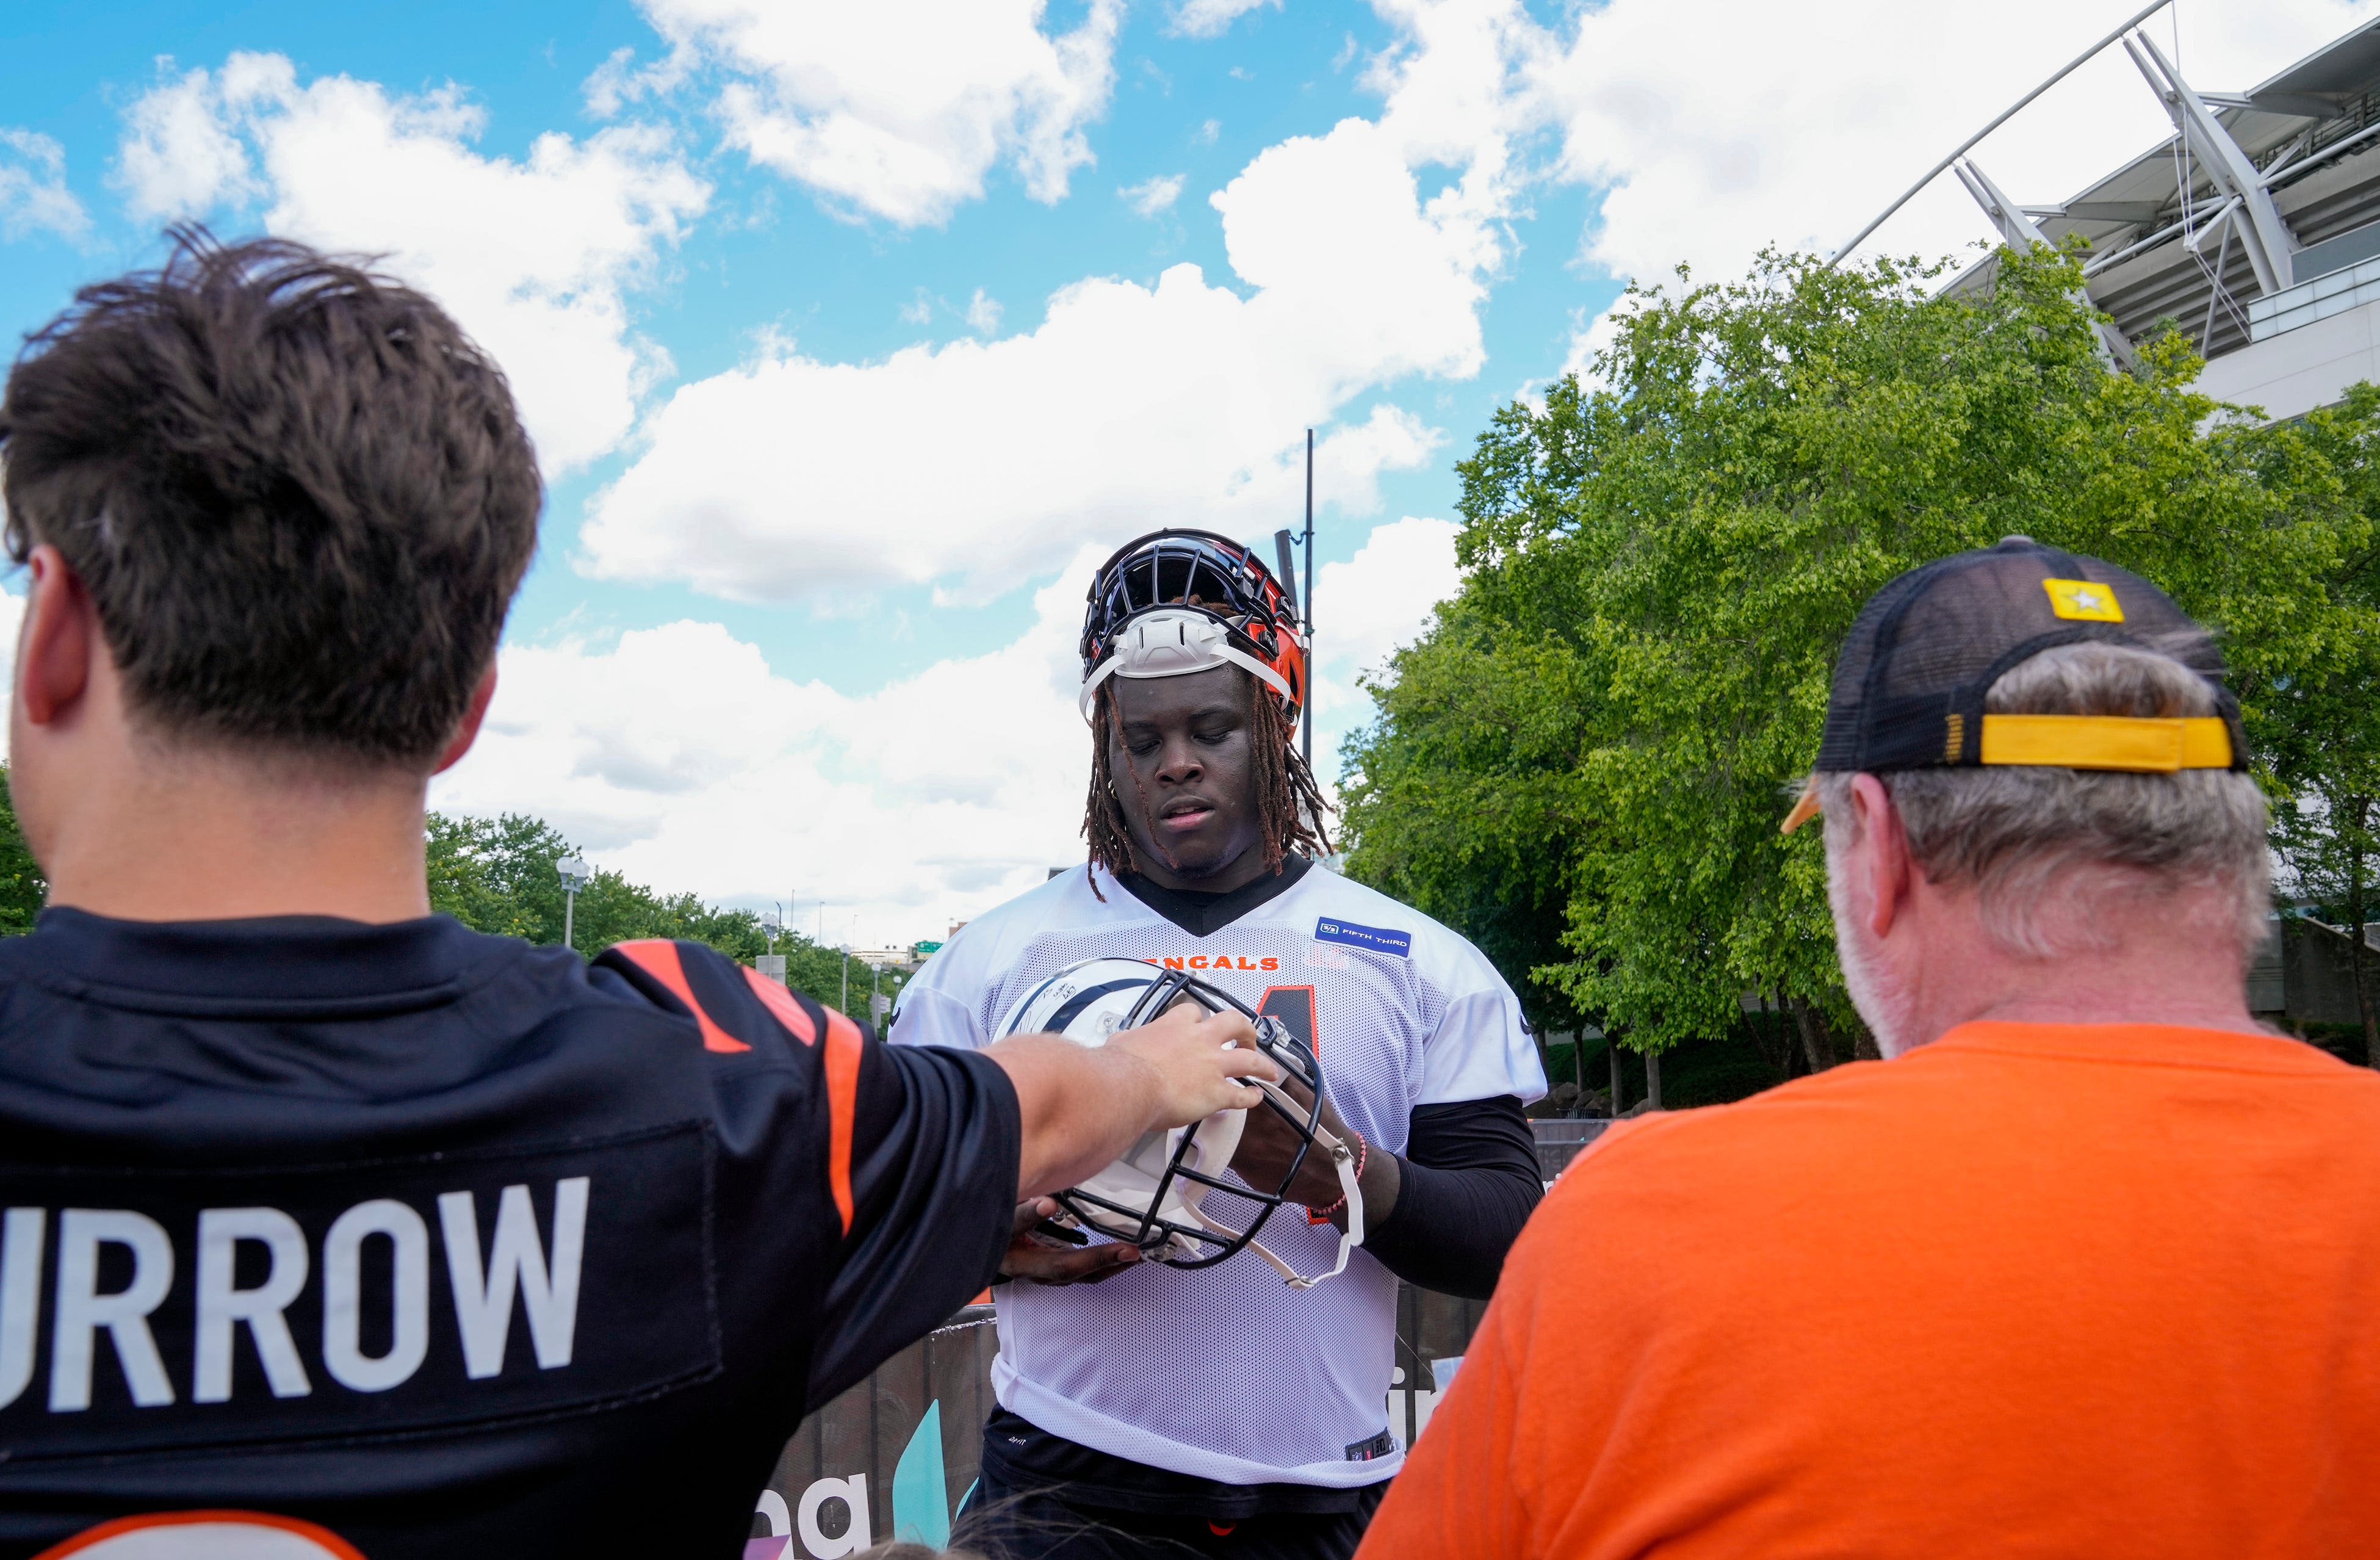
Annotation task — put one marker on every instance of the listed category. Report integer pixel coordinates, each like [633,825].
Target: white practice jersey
[1226,1372]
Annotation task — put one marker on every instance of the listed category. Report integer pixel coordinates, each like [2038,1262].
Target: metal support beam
[2018,232]
[2264,237]
[2069,69]
[2291,165]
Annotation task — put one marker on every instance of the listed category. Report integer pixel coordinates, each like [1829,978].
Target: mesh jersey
[449,1244]
[1156,1364]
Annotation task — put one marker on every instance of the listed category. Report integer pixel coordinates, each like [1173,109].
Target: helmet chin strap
[1173,642]
[1341,1160]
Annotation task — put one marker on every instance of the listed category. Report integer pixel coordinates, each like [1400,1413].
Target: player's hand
[1269,1143]
[1044,1260]
[1196,1059]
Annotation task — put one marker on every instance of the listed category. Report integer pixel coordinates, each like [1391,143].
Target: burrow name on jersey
[163,1309]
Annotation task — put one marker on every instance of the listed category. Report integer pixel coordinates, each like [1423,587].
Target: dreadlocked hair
[1289,804]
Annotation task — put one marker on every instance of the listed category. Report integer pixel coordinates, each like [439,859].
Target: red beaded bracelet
[1322,1215]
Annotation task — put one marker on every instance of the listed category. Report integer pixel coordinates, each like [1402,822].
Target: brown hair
[1289,805]
[298,495]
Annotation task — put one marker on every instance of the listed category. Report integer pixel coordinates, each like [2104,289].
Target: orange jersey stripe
[657,958]
[842,1048]
[779,1000]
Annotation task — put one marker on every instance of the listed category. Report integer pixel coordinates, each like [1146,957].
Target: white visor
[1173,642]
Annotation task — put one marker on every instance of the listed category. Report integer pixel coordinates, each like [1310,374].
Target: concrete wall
[2291,374]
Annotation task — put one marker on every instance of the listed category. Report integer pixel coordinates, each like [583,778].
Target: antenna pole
[1309,597]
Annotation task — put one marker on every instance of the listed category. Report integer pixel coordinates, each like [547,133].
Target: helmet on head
[1176,601]
[1163,1194]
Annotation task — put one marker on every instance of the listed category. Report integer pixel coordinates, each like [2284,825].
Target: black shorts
[1009,1522]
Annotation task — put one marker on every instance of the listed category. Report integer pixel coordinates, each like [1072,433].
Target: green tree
[2325,753]
[1615,707]
[23,889]
[498,875]
[1476,814]
[502,875]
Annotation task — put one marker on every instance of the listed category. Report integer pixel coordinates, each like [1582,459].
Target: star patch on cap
[2083,599]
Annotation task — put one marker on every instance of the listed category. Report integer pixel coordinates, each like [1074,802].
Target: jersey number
[1294,1005]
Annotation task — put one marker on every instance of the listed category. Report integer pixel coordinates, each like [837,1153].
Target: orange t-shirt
[2030,1290]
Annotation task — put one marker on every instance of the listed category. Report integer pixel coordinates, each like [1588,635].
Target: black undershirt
[1199,912]
[1469,1178]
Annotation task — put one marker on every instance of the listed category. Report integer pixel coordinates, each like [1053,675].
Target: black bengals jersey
[448,1245]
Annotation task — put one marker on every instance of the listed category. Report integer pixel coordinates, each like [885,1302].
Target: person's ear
[54,647]
[1882,853]
[467,730]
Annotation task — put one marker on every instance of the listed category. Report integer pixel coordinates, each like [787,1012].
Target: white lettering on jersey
[343,1353]
[222,1306]
[82,1310]
[483,1306]
[484,1289]
[20,1297]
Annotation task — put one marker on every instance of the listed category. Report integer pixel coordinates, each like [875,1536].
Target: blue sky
[851,335]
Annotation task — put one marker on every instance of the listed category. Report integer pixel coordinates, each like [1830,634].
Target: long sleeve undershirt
[1470,1178]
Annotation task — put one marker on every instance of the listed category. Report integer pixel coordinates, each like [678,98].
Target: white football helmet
[1158,1196]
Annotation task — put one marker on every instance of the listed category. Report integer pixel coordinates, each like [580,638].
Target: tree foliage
[1584,763]
[22,887]
[500,875]
[2326,748]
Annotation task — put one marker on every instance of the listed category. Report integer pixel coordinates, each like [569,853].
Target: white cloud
[617,82]
[988,462]
[1131,405]
[1211,18]
[34,193]
[677,756]
[534,257]
[983,313]
[1154,194]
[1207,131]
[1713,128]
[919,309]
[896,108]
[1588,338]
[179,157]
[1373,604]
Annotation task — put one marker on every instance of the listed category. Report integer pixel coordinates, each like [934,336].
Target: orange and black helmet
[1176,601]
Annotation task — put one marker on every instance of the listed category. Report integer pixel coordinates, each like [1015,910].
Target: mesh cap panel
[1909,688]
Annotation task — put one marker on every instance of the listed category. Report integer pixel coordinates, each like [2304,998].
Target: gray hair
[2048,850]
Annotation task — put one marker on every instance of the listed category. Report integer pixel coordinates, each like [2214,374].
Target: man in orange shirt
[2089,1265]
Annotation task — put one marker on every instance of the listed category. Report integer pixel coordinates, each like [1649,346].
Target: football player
[1142,1407]
[328,1228]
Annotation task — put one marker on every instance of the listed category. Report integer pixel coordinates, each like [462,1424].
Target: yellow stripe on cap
[2123,742]
[2117,742]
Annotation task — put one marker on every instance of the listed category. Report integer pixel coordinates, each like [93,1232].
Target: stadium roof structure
[2254,228]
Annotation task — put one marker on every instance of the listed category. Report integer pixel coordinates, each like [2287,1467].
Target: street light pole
[1307,611]
[573,870]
